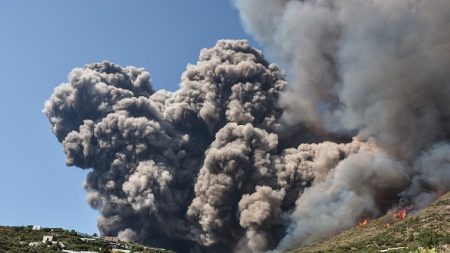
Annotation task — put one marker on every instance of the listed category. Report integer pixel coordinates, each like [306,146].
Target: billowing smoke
[238,160]
[187,169]
[379,69]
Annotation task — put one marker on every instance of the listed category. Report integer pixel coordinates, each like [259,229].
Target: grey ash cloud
[378,70]
[238,160]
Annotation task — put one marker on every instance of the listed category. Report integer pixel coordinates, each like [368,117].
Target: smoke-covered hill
[430,228]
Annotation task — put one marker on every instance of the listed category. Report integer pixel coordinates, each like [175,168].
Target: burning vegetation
[400,213]
[363,222]
[429,228]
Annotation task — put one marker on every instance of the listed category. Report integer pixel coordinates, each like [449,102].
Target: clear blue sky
[40,42]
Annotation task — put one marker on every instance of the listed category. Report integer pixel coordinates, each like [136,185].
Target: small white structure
[36,228]
[111,239]
[84,239]
[73,251]
[47,238]
[121,251]
[34,244]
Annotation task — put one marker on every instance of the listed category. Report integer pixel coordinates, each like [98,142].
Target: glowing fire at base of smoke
[363,222]
[400,213]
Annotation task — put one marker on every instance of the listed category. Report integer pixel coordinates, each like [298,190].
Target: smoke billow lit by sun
[240,160]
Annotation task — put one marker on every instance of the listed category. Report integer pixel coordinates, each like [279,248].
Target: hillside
[430,228]
[27,239]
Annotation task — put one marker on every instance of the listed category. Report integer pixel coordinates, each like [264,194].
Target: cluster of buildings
[49,239]
[46,239]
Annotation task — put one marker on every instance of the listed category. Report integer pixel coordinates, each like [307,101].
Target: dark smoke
[189,167]
[377,68]
[237,160]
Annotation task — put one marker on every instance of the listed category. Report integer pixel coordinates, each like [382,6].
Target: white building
[84,239]
[121,251]
[47,238]
[34,244]
[73,251]
[111,239]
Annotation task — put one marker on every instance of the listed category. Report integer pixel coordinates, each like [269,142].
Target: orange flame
[400,213]
[363,222]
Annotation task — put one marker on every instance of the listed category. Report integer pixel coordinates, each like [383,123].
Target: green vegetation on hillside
[18,239]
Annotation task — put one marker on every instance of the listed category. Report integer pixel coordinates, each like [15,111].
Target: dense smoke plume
[377,68]
[238,160]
